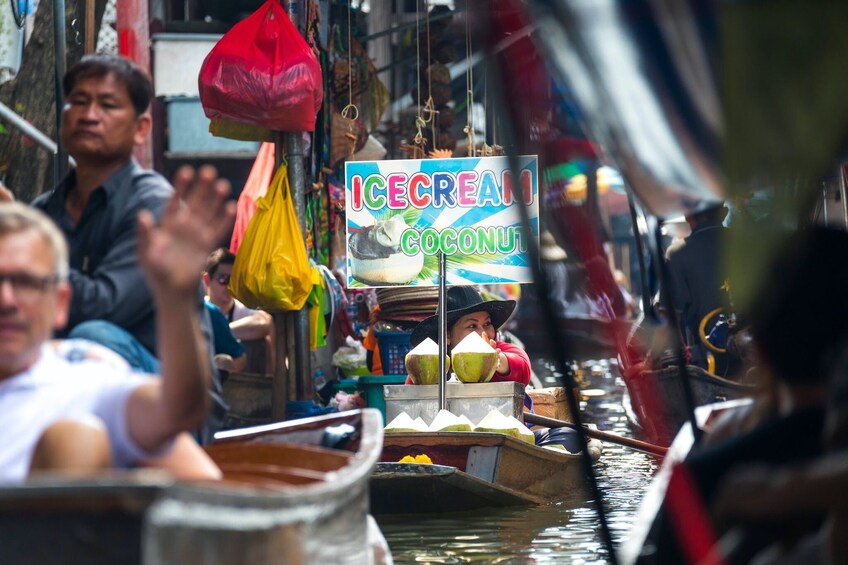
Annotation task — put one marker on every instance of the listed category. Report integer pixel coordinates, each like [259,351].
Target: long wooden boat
[638,542]
[293,492]
[471,470]
[654,401]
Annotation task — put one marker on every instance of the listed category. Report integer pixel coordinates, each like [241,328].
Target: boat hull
[472,470]
[272,515]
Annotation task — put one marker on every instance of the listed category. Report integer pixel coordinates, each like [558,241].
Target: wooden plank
[286,455]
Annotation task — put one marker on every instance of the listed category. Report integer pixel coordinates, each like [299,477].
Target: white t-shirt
[71,379]
[241,311]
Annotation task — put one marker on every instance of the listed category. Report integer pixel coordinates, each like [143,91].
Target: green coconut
[422,363]
[474,360]
[446,421]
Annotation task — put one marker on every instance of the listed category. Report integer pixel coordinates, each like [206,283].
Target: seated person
[798,323]
[467,312]
[246,324]
[229,352]
[80,413]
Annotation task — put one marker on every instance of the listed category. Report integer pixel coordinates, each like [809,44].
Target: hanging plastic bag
[271,270]
[262,73]
[255,188]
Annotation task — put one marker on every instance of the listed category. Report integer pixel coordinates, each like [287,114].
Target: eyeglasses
[222,279]
[29,287]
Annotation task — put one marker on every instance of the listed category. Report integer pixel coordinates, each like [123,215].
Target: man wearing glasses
[84,412]
[246,324]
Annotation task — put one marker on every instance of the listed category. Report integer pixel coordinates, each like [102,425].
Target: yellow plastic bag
[271,270]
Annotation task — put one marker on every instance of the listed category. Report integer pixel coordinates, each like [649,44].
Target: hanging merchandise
[271,270]
[254,188]
[261,75]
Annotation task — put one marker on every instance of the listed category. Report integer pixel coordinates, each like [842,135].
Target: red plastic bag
[262,73]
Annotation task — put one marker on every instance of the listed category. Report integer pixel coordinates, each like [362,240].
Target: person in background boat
[245,323]
[229,352]
[799,323]
[696,277]
[106,114]
[72,409]
[467,312]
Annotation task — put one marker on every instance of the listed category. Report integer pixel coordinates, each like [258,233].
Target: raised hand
[173,253]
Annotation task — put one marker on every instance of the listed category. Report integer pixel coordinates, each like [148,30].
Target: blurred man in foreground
[66,412]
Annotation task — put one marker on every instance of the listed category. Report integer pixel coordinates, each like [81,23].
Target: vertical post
[297,181]
[442,334]
[133,23]
[60,167]
[843,170]
[667,297]
[279,384]
[643,272]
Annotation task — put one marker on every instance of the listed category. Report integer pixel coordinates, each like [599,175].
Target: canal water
[562,532]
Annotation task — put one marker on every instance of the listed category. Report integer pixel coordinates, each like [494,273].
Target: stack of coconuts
[446,421]
[473,360]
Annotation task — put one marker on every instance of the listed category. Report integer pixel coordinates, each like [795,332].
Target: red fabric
[263,73]
[689,519]
[255,188]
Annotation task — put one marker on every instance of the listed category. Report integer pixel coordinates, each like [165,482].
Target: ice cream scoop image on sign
[403,215]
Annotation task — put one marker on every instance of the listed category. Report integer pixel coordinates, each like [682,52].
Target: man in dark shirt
[106,114]
[697,277]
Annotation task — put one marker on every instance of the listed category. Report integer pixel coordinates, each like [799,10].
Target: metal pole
[824,202]
[60,167]
[279,384]
[297,181]
[643,272]
[842,191]
[442,335]
[667,298]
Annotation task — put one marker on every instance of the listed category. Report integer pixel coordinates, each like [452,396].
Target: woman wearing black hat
[467,312]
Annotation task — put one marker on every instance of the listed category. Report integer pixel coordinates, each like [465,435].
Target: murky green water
[566,532]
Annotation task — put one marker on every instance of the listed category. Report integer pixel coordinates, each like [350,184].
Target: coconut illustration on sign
[376,257]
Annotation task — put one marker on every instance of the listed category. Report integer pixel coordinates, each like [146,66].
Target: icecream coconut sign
[402,214]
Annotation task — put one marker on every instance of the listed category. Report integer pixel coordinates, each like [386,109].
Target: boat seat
[286,475]
[280,454]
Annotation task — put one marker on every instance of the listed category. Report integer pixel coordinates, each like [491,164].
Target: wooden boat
[293,492]
[637,541]
[654,401]
[471,470]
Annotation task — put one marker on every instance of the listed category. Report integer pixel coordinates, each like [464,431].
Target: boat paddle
[651,448]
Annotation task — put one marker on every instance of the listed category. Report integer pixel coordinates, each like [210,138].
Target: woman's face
[476,322]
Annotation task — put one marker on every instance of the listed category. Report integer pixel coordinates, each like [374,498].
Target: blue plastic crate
[393,349]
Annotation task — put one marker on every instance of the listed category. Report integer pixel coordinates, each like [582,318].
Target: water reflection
[564,532]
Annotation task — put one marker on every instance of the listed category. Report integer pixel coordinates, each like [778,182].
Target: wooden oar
[651,448]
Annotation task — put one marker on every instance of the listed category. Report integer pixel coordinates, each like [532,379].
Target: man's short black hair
[221,256]
[98,65]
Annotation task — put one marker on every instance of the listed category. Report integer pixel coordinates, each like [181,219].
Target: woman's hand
[503,362]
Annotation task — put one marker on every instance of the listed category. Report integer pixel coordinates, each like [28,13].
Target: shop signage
[401,214]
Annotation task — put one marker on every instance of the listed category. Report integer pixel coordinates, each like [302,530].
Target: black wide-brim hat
[462,300]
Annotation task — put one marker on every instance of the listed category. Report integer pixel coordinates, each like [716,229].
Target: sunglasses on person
[222,279]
